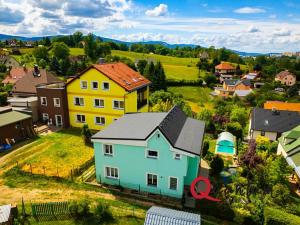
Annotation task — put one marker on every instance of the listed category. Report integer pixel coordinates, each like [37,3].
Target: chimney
[36,71]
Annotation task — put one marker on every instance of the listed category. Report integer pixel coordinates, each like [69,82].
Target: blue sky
[253,26]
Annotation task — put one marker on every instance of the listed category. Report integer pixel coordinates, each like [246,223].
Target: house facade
[103,93]
[230,87]
[157,153]
[53,104]
[271,123]
[286,78]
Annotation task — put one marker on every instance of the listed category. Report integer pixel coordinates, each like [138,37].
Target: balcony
[141,103]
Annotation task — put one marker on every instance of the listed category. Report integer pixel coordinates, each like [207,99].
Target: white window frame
[44,117]
[105,82]
[109,176]
[79,101]
[169,183]
[112,150]
[45,101]
[150,185]
[113,104]
[81,86]
[54,102]
[175,153]
[151,157]
[77,121]
[56,120]
[100,120]
[100,99]
[92,85]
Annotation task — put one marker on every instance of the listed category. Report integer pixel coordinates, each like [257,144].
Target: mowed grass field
[197,97]
[52,155]
[175,68]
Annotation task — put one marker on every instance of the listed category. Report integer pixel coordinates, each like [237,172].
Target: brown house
[26,86]
[232,87]
[53,104]
[225,68]
[286,77]
[15,126]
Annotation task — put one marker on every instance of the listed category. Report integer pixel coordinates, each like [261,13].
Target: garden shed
[163,216]
[225,143]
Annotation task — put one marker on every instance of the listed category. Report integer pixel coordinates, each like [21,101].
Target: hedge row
[171,82]
[275,216]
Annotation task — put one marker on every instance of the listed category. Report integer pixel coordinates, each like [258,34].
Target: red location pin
[203,194]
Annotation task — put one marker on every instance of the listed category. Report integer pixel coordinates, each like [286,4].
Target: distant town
[96,131]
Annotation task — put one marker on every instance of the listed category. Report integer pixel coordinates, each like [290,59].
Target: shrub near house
[152,152]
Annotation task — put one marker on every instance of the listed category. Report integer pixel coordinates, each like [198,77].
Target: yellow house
[104,92]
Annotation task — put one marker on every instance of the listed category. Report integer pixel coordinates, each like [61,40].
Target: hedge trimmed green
[275,216]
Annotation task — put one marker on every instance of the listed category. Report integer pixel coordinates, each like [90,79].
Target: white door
[58,120]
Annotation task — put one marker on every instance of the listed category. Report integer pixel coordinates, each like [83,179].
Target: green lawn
[51,154]
[77,51]
[175,68]
[197,97]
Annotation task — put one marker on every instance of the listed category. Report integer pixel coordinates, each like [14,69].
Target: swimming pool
[225,149]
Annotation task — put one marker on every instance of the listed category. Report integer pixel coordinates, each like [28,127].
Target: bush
[86,134]
[275,216]
[103,213]
[3,98]
[205,148]
[80,210]
[216,209]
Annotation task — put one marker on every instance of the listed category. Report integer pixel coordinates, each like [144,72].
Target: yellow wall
[115,92]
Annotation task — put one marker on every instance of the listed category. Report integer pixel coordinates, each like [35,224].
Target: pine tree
[161,83]
[149,72]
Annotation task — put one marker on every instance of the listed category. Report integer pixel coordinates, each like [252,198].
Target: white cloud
[252,29]
[282,32]
[160,10]
[249,10]
[273,16]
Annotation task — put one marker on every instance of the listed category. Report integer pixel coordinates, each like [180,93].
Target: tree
[239,114]
[86,133]
[64,65]
[46,41]
[60,50]
[159,79]
[210,79]
[205,115]
[238,70]
[90,46]
[216,165]
[54,65]
[3,98]
[142,63]
[149,71]
[205,148]
[42,63]
[102,49]
[236,129]
[77,37]
[40,53]
[281,194]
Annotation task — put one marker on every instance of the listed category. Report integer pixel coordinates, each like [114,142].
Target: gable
[91,75]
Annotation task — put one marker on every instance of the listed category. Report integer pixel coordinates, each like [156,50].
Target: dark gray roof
[163,216]
[183,133]
[274,121]
[234,82]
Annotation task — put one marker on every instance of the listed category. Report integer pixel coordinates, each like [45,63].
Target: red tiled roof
[28,83]
[224,66]
[289,106]
[14,75]
[121,74]
[284,73]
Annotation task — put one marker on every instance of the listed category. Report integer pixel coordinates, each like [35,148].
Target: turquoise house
[150,152]
[225,144]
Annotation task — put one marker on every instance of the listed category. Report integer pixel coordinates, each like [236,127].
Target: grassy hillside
[175,68]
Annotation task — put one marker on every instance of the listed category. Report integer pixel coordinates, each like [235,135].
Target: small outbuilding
[226,143]
[163,216]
